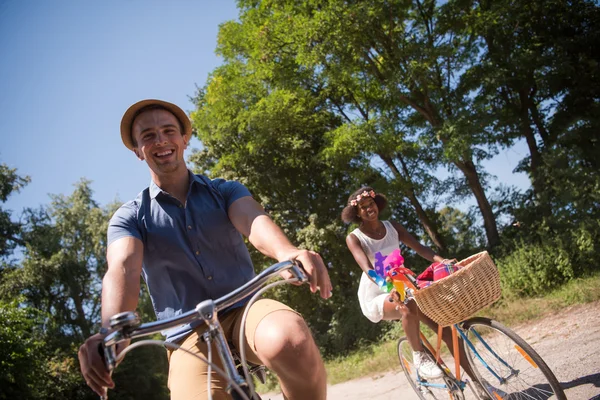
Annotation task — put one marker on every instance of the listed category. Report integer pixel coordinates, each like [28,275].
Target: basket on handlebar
[455,298]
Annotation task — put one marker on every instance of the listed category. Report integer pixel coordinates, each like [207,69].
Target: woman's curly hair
[350,212]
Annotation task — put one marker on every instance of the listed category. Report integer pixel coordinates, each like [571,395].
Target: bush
[535,269]
[584,243]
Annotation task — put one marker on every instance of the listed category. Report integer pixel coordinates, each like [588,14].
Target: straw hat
[133,111]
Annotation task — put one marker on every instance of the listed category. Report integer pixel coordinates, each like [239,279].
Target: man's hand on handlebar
[317,274]
[93,367]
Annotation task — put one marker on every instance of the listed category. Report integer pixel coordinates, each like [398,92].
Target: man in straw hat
[182,233]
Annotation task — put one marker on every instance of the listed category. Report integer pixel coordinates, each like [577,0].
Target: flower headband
[362,196]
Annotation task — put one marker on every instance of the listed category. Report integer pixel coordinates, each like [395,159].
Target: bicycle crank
[454,388]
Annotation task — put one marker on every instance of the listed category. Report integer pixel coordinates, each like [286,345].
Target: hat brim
[132,112]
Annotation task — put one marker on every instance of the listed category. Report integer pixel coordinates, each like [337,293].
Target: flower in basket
[393,265]
[395,259]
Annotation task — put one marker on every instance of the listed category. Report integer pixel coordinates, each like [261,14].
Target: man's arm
[120,292]
[121,284]
[250,220]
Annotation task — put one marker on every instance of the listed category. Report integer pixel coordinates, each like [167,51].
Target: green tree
[270,139]
[10,183]
[537,74]
[64,260]
[59,279]
[21,343]
[404,73]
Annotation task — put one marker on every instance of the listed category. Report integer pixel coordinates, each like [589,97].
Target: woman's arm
[359,255]
[405,237]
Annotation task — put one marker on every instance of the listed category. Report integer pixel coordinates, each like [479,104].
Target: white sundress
[370,296]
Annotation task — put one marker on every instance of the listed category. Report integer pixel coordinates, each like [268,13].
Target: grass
[511,310]
[379,358]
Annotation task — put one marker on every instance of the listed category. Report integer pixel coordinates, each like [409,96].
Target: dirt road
[568,341]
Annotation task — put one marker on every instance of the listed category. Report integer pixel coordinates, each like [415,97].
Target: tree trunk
[537,118]
[467,167]
[529,134]
[409,192]
[489,220]
[428,225]
[82,322]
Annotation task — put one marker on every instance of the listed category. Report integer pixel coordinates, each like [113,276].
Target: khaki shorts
[188,375]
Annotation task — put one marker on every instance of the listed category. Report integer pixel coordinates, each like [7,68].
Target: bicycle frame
[456,331]
[127,325]
[437,351]
[481,351]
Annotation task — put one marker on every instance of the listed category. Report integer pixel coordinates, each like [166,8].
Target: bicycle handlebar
[127,325]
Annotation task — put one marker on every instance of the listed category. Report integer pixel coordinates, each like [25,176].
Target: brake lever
[299,271]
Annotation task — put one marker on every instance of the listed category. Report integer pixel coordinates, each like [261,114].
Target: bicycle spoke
[433,390]
[510,369]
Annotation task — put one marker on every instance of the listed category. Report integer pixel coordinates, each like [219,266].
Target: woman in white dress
[370,244]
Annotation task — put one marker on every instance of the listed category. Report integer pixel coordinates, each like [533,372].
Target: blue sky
[70,68]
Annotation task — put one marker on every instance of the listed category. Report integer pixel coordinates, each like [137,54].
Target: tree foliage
[391,92]
[10,183]
[313,99]
[57,283]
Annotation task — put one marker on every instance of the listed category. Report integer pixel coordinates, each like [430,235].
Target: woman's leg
[409,314]
[410,322]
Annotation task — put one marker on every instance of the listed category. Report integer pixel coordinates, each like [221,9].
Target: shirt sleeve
[231,190]
[124,223]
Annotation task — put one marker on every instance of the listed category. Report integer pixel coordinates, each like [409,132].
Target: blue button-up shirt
[192,251]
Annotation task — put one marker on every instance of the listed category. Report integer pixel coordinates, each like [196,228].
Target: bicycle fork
[215,333]
[502,380]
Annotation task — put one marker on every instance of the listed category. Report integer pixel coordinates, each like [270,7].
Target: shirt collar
[155,190]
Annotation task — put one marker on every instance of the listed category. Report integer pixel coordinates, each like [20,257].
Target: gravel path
[569,342]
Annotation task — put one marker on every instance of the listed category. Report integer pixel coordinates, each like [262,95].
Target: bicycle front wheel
[507,366]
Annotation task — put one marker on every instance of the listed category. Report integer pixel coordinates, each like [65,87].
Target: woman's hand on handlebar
[315,269]
[93,367]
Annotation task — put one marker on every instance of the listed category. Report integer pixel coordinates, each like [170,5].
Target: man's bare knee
[282,335]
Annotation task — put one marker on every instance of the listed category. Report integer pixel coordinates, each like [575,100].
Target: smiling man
[183,235]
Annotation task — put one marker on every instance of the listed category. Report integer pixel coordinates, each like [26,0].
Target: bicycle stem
[206,310]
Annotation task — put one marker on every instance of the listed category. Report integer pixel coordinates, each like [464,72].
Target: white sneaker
[427,367]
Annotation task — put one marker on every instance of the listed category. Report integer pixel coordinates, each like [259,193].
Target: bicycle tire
[531,377]
[236,396]
[406,362]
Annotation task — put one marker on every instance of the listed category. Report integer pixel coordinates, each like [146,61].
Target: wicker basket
[458,296]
